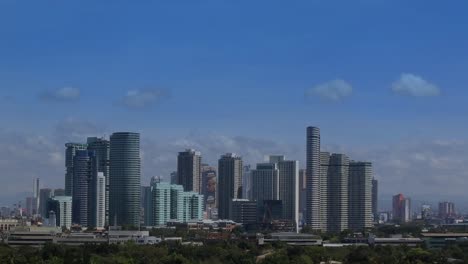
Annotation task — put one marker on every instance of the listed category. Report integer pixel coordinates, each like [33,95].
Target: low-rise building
[441,240]
[8,224]
[291,238]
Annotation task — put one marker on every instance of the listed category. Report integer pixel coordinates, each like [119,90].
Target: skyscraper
[360,196]
[124,179]
[44,195]
[97,200]
[147,205]
[302,194]
[161,202]
[313,178]
[288,187]
[375,198]
[446,209]
[70,151]
[35,202]
[338,175]
[324,171]
[84,169]
[189,170]
[101,148]
[265,182]
[247,182]
[59,192]
[401,209]
[229,182]
[209,188]
[174,177]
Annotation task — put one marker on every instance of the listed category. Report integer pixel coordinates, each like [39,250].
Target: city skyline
[402,104]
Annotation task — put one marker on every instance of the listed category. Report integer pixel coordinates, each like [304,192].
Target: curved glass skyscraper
[124,179]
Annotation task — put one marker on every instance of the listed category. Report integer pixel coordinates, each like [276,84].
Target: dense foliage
[233,252]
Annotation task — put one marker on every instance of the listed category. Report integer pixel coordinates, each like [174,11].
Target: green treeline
[232,252]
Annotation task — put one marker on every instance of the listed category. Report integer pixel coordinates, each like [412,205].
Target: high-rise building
[302,194]
[70,152]
[375,198]
[170,202]
[446,209]
[147,205]
[84,168]
[35,204]
[97,200]
[101,148]
[338,176]
[243,211]
[401,209]
[161,202]
[314,202]
[324,171]
[174,177]
[44,195]
[360,196]
[209,186]
[247,182]
[124,179]
[192,204]
[30,206]
[59,192]
[62,207]
[229,182]
[265,182]
[189,170]
[288,187]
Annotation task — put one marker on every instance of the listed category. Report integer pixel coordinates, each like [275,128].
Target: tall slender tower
[35,205]
[360,196]
[375,198]
[189,170]
[124,179]
[101,148]
[338,176]
[229,181]
[313,218]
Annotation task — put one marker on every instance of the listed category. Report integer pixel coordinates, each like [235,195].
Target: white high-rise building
[97,201]
[313,210]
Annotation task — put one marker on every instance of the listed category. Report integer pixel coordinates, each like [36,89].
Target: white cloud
[137,99]
[65,94]
[413,85]
[334,90]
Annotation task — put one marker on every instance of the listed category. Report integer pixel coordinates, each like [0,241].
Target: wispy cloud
[65,94]
[334,90]
[413,85]
[139,99]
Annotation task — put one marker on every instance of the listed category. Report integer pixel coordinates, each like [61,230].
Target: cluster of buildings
[332,194]
[103,188]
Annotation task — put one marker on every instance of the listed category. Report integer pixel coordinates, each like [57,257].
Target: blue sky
[188,73]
